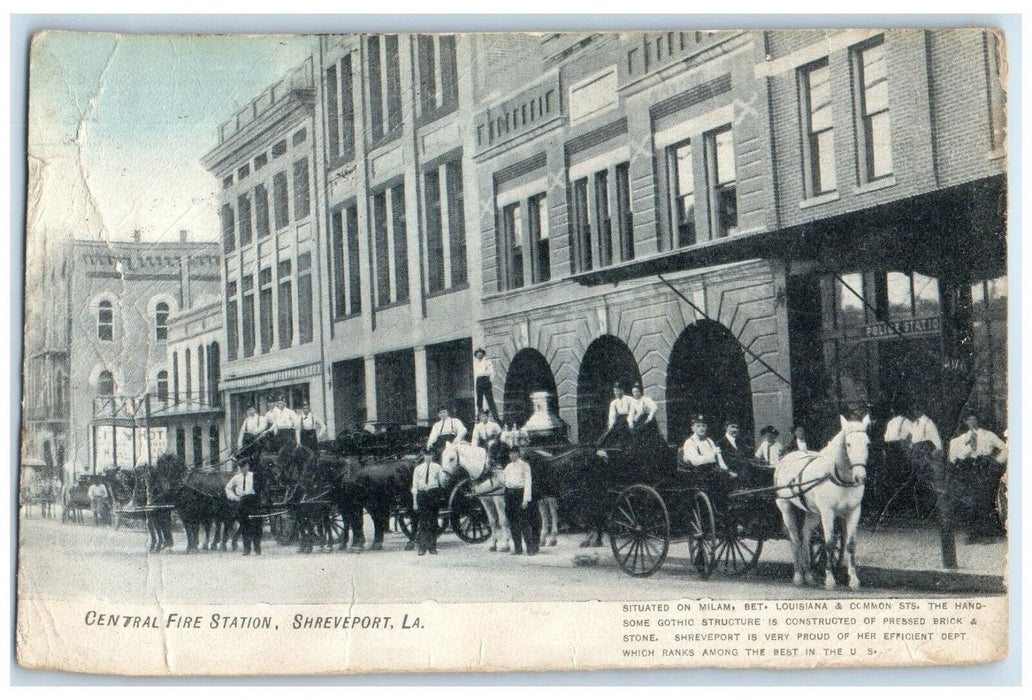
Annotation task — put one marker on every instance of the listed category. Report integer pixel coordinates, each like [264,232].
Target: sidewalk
[910,557]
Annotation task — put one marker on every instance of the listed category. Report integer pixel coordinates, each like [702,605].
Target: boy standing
[518,496]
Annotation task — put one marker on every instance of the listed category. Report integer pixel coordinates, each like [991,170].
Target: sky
[118,124]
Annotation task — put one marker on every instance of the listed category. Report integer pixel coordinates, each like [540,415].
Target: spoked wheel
[702,540]
[283,528]
[736,553]
[335,530]
[407,522]
[820,551]
[467,515]
[639,530]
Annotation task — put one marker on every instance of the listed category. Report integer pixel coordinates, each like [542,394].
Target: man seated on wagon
[976,459]
[704,456]
[486,432]
[445,430]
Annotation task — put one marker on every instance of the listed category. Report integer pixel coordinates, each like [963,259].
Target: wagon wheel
[1001,504]
[702,539]
[736,552]
[819,552]
[468,518]
[639,530]
[335,530]
[283,528]
[407,522]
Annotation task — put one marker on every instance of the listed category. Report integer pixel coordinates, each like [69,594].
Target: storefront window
[900,297]
[926,296]
[848,298]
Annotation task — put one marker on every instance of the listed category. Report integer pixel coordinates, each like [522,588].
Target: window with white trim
[871,99]
[818,128]
[383,71]
[105,320]
[390,246]
[438,74]
[347,292]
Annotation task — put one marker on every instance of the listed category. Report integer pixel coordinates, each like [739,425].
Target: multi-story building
[188,401]
[403,274]
[269,162]
[762,226]
[112,300]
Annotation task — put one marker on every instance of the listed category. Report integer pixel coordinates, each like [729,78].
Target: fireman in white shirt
[699,450]
[977,442]
[426,502]
[483,375]
[485,432]
[253,427]
[922,429]
[309,428]
[643,408]
[446,429]
[243,490]
[283,424]
[769,451]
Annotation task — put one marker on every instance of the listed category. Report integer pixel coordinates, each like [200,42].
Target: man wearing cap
[243,491]
[426,502]
[309,428]
[486,432]
[483,374]
[977,457]
[518,509]
[283,424]
[446,429]
[254,425]
[699,450]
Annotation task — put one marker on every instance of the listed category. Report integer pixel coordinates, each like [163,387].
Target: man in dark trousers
[483,375]
[426,502]
[243,490]
[519,495]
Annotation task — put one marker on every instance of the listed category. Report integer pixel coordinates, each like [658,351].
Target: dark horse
[154,490]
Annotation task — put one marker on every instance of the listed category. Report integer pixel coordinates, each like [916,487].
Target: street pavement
[67,561]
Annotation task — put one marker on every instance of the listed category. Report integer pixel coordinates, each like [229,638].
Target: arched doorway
[707,374]
[607,360]
[528,372]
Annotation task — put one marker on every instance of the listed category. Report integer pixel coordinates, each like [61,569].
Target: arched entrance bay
[607,360]
[707,374]
[528,372]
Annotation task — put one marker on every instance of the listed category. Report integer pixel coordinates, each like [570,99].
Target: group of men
[282,426]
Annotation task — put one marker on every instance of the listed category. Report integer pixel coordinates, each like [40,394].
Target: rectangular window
[449,69]
[438,73]
[248,313]
[243,171]
[332,111]
[818,128]
[373,68]
[261,210]
[581,226]
[339,269]
[302,202]
[285,303]
[340,116]
[175,369]
[280,200]
[384,71]
[624,218]
[512,251]
[260,161]
[380,242]
[232,337]
[299,137]
[537,208]
[427,49]
[305,327]
[265,322]
[244,221]
[872,102]
[603,222]
[456,221]
[279,148]
[393,76]
[400,243]
[723,185]
[228,228]
[354,262]
[434,231]
[227,182]
[682,192]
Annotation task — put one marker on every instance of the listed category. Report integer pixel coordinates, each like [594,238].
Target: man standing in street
[977,457]
[243,491]
[519,494]
[426,502]
[283,424]
[98,495]
[483,374]
[309,428]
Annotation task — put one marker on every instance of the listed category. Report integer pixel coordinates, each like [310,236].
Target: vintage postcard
[367,353]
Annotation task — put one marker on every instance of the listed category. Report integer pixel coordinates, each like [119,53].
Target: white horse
[485,483]
[826,486]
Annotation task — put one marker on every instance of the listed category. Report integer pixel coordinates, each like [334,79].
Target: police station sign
[906,328]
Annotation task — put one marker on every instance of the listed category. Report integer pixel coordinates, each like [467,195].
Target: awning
[271,379]
[959,231]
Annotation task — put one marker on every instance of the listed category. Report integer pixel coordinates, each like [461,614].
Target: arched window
[105,320]
[161,321]
[105,384]
[198,447]
[200,373]
[213,443]
[162,385]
